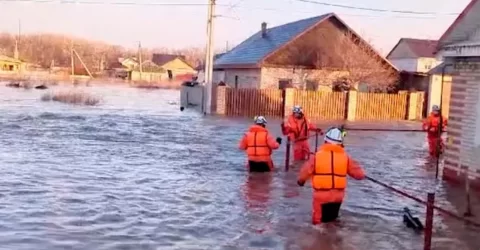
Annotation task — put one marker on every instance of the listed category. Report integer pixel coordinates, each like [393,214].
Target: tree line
[47,50]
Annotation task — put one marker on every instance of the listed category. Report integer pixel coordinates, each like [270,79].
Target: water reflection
[256,194]
[136,173]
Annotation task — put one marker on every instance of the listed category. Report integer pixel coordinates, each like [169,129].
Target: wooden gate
[319,105]
[252,102]
[379,106]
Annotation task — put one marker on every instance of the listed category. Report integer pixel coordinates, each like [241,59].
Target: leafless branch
[329,50]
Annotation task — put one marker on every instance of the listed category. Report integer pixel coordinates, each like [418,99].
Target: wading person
[259,145]
[434,131]
[298,129]
[328,171]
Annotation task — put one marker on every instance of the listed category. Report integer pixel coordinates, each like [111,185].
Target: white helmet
[260,120]
[435,108]
[297,109]
[334,136]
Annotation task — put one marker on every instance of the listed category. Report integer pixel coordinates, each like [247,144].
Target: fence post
[429,222]
[287,155]
[412,103]
[352,105]
[221,104]
[288,101]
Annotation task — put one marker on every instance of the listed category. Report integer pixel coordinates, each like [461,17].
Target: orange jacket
[432,124]
[298,129]
[258,143]
[308,170]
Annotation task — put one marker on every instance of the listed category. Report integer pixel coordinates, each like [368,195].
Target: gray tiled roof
[256,47]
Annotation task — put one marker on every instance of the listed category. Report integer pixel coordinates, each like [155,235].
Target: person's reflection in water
[325,237]
[256,193]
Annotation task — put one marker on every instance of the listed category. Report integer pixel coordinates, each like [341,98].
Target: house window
[311,85]
[285,83]
[170,74]
[236,82]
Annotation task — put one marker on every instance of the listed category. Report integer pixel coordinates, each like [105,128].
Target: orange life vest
[300,127]
[330,170]
[434,121]
[257,144]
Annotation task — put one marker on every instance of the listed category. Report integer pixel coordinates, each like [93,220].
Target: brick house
[460,48]
[271,57]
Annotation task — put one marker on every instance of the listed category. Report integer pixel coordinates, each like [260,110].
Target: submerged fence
[320,105]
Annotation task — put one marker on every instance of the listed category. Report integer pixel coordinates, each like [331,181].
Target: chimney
[264,29]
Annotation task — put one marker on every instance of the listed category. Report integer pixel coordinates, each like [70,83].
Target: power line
[131,3]
[374,9]
[342,14]
[237,5]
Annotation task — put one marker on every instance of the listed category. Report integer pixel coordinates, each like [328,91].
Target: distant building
[414,58]
[460,48]
[174,65]
[261,61]
[162,67]
[10,64]
[414,55]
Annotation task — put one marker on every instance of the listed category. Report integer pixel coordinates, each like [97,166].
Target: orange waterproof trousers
[326,205]
[301,150]
[433,144]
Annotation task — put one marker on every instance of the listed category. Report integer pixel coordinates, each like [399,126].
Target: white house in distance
[460,48]
[414,55]
[414,58]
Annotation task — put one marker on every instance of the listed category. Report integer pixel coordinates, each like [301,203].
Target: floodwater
[136,173]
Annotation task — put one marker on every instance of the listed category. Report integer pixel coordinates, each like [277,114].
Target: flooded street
[136,173]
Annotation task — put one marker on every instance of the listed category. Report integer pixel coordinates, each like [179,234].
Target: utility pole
[140,59]
[72,63]
[209,58]
[16,53]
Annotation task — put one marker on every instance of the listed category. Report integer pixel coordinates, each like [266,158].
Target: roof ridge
[418,39]
[304,19]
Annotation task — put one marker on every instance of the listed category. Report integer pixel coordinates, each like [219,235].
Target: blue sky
[182,26]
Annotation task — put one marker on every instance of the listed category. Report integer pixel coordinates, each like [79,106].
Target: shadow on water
[136,173]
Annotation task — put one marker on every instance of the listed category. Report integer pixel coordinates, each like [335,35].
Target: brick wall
[461,154]
[271,76]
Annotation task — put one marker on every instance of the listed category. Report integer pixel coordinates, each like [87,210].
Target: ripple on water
[132,174]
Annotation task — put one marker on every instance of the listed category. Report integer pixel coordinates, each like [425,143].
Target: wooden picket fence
[252,102]
[379,106]
[319,105]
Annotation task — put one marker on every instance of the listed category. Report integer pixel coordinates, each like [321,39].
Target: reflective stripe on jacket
[330,170]
[257,144]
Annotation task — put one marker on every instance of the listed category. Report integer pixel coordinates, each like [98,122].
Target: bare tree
[341,56]
[42,49]
[363,64]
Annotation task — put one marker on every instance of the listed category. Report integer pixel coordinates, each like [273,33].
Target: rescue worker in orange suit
[298,129]
[259,144]
[432,126]
[328,171]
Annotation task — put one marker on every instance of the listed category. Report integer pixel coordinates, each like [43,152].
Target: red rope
[444,211]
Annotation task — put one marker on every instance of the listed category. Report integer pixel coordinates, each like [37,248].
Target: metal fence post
[287,155]
[429,222]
